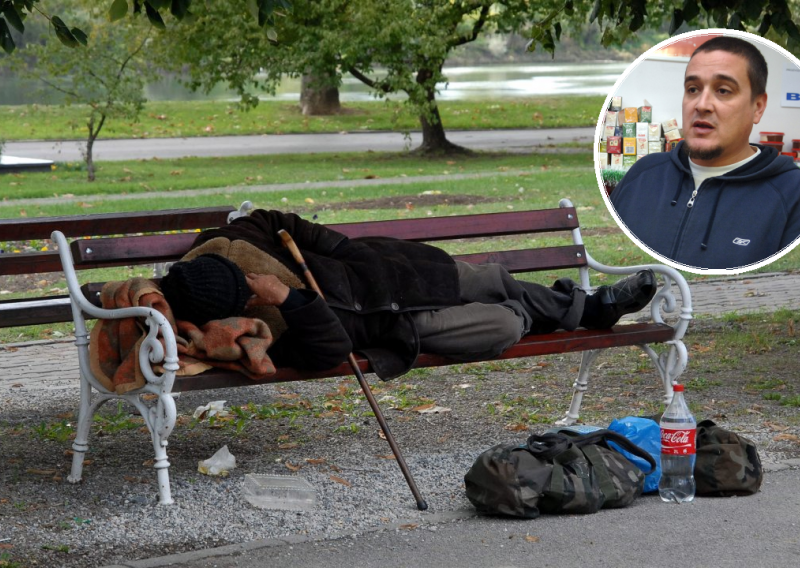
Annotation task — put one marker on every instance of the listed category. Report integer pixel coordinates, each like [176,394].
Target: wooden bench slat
[52,309]
[96,253]
[115,223]
[29,263]
[463,226]
[527,260]
[529,346]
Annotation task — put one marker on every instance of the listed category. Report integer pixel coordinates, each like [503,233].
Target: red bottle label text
[678,442]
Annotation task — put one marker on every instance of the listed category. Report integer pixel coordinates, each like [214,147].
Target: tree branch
[372,84]
[55,87]
[476,29]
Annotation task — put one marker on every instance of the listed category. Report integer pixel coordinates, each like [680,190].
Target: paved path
[54,364]
[501,140]
[759,531]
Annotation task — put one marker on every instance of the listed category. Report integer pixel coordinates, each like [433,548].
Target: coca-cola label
[677,442]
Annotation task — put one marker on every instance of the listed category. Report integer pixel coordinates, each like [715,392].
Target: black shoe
[609,303]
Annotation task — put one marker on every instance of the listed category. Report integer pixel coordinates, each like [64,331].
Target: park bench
[155,400]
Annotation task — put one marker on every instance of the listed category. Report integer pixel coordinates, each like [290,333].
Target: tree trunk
[317,96]
[88,157]
[93,133]
[434,140]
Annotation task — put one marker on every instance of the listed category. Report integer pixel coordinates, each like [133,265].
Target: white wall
[660,81]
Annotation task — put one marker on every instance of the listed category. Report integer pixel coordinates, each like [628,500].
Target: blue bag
[646,434]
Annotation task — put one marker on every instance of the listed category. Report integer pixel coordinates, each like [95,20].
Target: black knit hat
[209,287]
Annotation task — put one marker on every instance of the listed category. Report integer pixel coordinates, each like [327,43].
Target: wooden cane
[289,243]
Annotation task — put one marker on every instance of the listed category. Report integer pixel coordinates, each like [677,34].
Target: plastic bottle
[678,429]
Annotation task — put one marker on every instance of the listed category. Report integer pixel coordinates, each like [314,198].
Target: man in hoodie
[716,201]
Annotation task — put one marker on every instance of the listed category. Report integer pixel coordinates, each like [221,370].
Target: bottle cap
[677,388]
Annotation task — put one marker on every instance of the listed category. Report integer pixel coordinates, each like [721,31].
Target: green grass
[218,118]
[147,176]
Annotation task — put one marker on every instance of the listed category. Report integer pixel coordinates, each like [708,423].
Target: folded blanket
[238,344]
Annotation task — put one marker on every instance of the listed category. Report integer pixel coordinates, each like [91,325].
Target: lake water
[479,82]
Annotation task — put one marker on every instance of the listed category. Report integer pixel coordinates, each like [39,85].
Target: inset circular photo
[698,152]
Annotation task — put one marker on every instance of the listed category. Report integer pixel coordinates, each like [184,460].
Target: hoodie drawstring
[703,243]
[677,194]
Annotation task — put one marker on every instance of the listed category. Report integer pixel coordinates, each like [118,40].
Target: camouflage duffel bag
[727,464]
[556,472]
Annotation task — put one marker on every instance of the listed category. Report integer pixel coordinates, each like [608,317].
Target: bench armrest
[152,351]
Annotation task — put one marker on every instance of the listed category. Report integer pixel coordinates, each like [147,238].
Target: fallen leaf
[776,427]
[34,471]
[530,538]
[381,435]
[288,446]
[6,546]
[409,526]
[313,461]
[148,463]
[292,467]
[340,480]
[387,457]
[516,427]
[786,438]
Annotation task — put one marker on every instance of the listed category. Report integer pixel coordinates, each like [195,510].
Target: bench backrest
[93,225]
[104,252]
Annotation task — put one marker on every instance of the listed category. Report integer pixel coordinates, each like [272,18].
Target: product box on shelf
[629,146]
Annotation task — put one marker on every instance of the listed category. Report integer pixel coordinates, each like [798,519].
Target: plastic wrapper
[646,434]
[219,464]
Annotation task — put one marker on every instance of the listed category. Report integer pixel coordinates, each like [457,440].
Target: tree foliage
[620,19]
[13,14]
[107,76]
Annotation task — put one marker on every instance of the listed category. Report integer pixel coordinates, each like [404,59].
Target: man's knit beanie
[210,287]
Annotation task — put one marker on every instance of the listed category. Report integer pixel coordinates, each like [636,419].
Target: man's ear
[760,107]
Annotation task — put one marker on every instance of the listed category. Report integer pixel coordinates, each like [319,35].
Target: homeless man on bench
[385,298]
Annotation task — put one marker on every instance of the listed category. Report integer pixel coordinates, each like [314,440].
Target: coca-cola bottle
[678,429]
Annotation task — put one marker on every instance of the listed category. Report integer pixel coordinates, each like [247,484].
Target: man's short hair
[756,64]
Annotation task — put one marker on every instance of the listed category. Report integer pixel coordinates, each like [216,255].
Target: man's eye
[724,91]
[691,90]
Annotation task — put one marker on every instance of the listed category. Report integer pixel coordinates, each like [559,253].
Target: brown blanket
[238,344]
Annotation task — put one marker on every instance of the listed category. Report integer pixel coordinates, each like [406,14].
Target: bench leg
[160,420]
[670,365]
[85,416]
[579,387]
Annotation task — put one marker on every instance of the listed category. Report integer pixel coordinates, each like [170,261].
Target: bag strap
[605,436]
[592,453]
[547,446]
[557,476]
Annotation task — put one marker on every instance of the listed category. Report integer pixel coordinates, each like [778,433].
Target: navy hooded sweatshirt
[735,220]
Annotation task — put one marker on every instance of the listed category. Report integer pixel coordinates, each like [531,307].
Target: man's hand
[268,290]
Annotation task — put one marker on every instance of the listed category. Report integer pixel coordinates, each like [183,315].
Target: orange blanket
[238,344]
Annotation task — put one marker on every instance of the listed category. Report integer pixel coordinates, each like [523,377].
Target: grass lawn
[68,180]
[218,118]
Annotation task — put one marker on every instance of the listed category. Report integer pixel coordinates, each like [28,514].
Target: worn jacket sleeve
[315,339]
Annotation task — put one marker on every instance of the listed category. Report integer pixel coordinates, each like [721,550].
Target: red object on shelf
[771,136]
